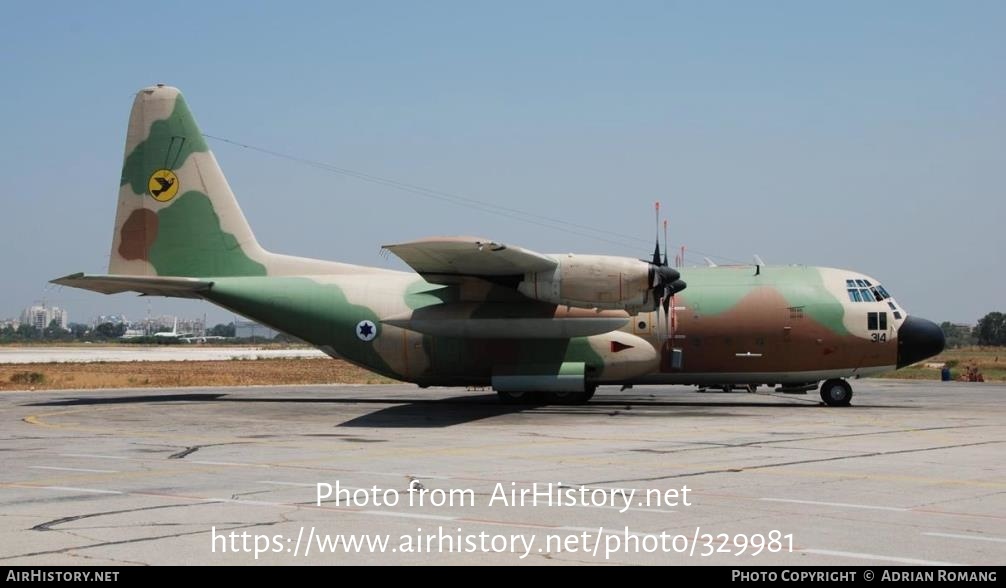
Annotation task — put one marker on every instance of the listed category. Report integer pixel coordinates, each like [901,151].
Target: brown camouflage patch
[761,333]
[138,234]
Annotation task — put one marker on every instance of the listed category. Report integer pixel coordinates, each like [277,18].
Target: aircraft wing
[441,257]
[151,285]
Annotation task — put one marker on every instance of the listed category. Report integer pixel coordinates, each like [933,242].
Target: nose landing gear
[836,392]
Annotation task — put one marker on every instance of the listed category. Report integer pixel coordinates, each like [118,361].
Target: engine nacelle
[592,281]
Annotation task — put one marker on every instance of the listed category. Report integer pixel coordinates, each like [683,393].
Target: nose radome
[917,340]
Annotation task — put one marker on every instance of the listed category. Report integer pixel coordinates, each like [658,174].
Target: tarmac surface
[181,352]
[912,473]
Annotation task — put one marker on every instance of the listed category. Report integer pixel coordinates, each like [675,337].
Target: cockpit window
[861,290]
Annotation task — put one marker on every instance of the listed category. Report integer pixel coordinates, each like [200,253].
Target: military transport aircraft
[481,313]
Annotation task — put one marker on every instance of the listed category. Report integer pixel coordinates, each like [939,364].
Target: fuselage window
[850,283]
[897,315]
[861,283]
[867,282]
[883,292]
[871,321]
[854,296]
[891,304]
[867,297]
[883,321]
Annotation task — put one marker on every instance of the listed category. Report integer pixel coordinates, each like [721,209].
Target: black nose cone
[917,340]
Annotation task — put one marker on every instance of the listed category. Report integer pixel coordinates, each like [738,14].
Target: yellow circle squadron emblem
[163,185]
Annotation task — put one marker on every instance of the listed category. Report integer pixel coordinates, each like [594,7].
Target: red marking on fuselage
[617,346]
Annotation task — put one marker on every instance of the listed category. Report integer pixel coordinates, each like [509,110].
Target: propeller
[665,281]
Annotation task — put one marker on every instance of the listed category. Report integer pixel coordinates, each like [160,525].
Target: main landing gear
[513,397]
[836,392]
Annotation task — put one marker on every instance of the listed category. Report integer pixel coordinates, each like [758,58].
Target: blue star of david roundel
[366,330]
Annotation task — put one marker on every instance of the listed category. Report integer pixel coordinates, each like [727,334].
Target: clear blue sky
[863,135]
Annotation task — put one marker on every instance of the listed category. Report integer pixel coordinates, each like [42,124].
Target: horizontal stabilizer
[150,285]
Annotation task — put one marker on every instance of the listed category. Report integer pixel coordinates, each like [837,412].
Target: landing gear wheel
[519,397]
[836,392]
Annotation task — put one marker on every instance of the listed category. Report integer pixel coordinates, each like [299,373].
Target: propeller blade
[656,247]
[667,316]
[665,242]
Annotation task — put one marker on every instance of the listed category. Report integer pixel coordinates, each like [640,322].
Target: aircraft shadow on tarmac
[405,412]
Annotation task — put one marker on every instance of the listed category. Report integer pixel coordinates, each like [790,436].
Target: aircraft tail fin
[177,215]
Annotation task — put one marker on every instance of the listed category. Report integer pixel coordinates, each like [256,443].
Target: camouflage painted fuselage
[179,232]
[787,324]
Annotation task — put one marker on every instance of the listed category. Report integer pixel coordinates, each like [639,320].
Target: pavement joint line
[876,557]
[967,537]
[837,504]
[275,483]
[63,469]
[73,489]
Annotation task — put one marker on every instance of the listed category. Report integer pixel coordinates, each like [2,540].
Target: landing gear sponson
[526,397]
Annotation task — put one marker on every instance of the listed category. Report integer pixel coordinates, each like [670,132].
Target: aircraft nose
[917,340]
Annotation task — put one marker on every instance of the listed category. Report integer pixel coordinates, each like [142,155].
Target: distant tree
[957,335]
[8,332]
[991,329]
[78,330]
[110,330]
[26,331]
[222,330]
[284,338]
[55,331]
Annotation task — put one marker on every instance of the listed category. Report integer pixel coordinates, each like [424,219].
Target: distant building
[251,329]
[40,315]
[160,324]
[194,327]
[163,324]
